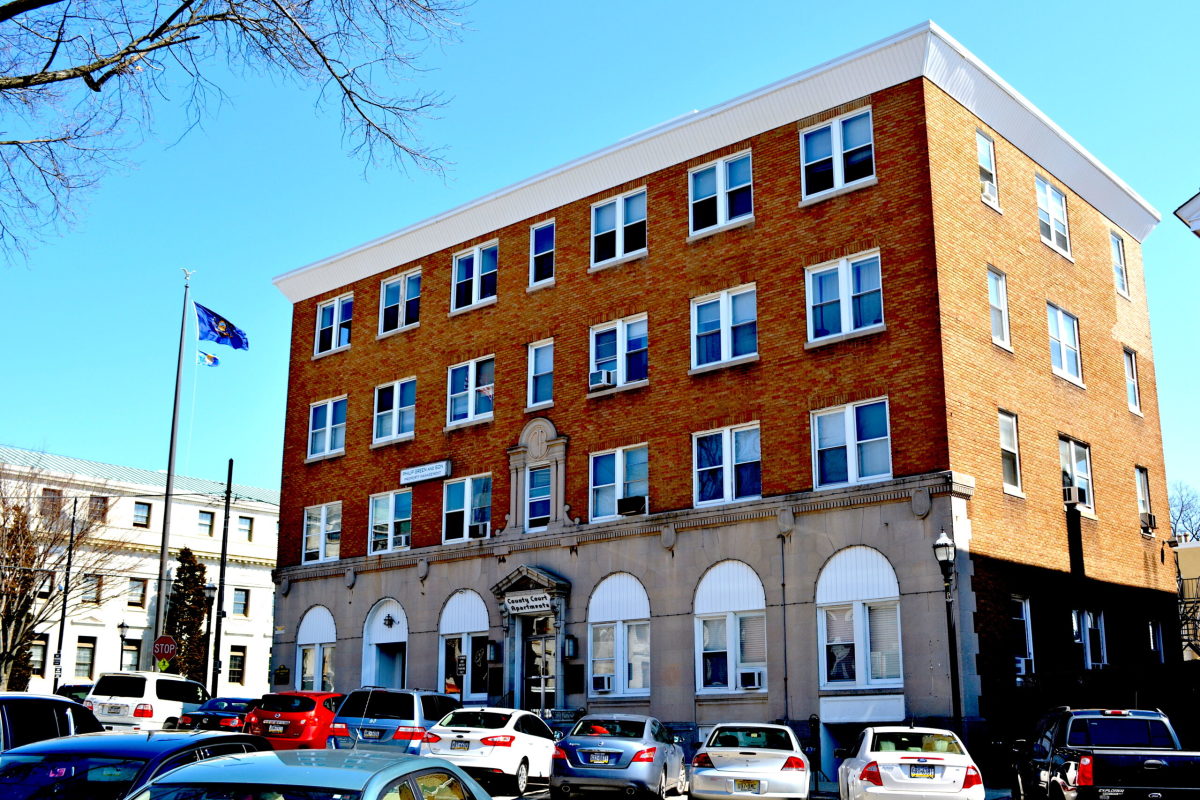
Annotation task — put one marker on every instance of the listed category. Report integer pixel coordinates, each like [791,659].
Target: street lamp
[124,629]
[210,593]
[945,551]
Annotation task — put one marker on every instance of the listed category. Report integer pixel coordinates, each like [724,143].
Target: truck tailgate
[1145,769]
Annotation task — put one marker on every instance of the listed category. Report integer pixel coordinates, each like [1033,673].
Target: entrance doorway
[389,665]
[540,661]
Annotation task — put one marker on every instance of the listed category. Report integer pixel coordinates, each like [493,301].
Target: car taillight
[338,729]
[703,761]
[643,756]
[793,762]
[498,741]
[144,710]
[972,778]
[185,720]
[230,722]
[89,705]
[1084,776]
[408,733]
[1113,712]
[870,774]
[431,738]
[560,754]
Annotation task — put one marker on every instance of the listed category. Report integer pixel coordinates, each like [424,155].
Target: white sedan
[494,743]
[909,764]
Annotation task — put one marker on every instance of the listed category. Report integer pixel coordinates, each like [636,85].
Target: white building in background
[94,640]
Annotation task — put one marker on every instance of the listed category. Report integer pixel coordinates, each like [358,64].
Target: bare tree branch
[1185,512]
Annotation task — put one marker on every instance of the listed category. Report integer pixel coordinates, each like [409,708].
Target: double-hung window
[1064,344]
[619,227]
[1133,394]
[541,253]
[241,602]
[1141,477]
[1052,216]
[986,154]
[89,588]
[721,193]
[327,427]
[475,273]
[727,465]
[471,390]
[725,326]
[395,410]
[838,153]
[135,593]
[141,515]
[998,304]
[1076,461]
[322,532]
[391,521]
[537,497]
[1090,629]
[616,475]
[333,324]
[400,302]
[541,373]
[1021,637]
[733,651]
[1120,275]
[246,528]
[620,352]
[467,508]
[851,444]
[844,296]
[620,644]
[205,523]
[1010,453]
[860,643]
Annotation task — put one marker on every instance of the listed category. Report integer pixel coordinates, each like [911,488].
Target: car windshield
[289,703]
[243,791]
[751,736]
[915,742]
[378,705]
[120,686]
[616,728]
[475,719]
[226,704]
[74,776]
[1119,732]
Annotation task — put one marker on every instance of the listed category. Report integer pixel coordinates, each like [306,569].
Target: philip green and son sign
[425,472]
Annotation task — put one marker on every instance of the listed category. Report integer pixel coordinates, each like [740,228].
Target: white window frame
[845,270]
[621,224]
[393,540]
[728,464]
[1090,660]
[466,696]
[620,482]
[1073,473]
[530,500]
[477,299]
[851,440]
[725,298]
[1141,479]
[1120,271]
[468,492]
[245,612]
[985,143]
[1048,197]
[620,659]
[1027,625]
[553,251]
[531,374]
[1007,416]
[621,326]
[837,153]
[860,618]
[1133,389]
[246,528]
[733,649]
[395,413]
[323,538]
[1063,317]
[322,655]
[472,390]
[402,320]
[329,428]
[721,167]
[337,304]
[1000,281]
[206,528]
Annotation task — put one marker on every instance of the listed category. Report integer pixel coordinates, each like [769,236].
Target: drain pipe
[783,537]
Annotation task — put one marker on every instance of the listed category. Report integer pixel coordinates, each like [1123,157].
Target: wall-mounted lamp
[389,621]
[493,652]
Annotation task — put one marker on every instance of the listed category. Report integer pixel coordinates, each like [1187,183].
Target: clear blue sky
[91,324]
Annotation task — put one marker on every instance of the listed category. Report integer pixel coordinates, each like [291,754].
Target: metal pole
[160,611]
[787,714]
[66,590]
[952,646]
[216,673]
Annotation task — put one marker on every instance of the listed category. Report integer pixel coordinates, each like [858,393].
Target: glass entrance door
[539,663]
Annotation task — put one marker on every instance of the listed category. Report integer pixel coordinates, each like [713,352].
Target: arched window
[731,630]
[619,637]
[858,621]
[462,661]
[385,645]
[315,644]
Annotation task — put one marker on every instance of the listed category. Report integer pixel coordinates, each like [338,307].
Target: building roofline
[924,50]
[1189,214]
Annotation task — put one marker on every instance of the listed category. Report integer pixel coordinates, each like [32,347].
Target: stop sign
[164,648]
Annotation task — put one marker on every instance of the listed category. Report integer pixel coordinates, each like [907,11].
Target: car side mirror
[558,735]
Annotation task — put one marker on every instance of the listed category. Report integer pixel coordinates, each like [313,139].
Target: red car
[294,720]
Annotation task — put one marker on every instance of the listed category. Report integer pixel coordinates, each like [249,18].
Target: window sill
[863,183]
[728,695]
[491,301]
[993,206]
[715,229]
[537,287]
[843,337]
[1125,295]
[405,437]
[613,698]
[1071,379]
[1088,513]
[467,423]
[864,482]
[722,503]
[1007,346]
[401,329]
[1064,253]
[324,457]
[837,689]
[1012,491]
[539,406]
[616,262]
[318,561]
[624,387]
[733,362]
[331,352]
[1137,412]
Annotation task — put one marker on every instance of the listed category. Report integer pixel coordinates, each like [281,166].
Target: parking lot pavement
[534,792]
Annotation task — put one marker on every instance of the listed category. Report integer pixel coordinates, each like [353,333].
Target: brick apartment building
[672,428]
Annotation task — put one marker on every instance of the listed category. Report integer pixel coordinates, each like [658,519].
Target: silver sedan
[749,759]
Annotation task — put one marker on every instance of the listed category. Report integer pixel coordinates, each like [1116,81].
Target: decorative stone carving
[667,537]
[786,521]
[285,586]
[351,577]
[922,504]
[422,569]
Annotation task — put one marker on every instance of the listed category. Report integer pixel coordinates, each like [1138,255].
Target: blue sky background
[91,323]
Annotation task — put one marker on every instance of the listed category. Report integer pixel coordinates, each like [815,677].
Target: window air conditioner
[1072,495]
[601,684]
[602,379]
[477,531]
[631,506]
[1149,523]
[988,189]
[750,679]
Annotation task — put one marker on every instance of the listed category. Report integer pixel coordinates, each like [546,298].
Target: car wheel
[520,780]
[681,786]
[662,787]
[170,724]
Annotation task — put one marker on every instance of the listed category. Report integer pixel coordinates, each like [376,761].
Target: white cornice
[1189,214]
[921,51]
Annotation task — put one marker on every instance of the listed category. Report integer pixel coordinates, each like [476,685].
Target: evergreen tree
[186,613]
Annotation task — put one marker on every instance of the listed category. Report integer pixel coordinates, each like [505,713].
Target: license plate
[460,744]
[920,771]
[276,727]
[369,733]
[114,709]
[745,786]
[597,758]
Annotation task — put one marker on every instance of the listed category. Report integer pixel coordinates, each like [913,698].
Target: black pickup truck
[1104,754]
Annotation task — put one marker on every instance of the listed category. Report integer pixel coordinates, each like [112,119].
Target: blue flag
[216,328]
[206,359]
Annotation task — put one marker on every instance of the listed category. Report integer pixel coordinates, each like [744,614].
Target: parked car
[1111,753]
[497,743]
[74,691]
[618,751]
[393,717]
[143,701]
[220,714]
[904,763]
[749,757]
[294,720]
[317,775]
[27,718]
[109,765]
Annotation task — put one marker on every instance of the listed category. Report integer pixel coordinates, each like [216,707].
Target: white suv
[143,701]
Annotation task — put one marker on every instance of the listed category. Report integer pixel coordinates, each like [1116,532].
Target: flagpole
[160,611]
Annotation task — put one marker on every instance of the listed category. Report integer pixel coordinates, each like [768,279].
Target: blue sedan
[624,752]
